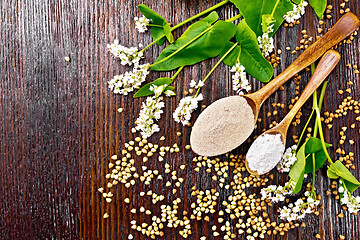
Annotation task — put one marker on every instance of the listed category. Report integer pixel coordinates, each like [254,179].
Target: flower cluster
[141,24]
[346,198]
[296,13]
[127,82]
[127,55]
[288,159]
[277,193]
[240,84]
[266,43]
[150,111]
[300,208]
[187,105]
[195,85]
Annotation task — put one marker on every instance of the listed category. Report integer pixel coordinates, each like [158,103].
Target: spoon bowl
[210,134]
[327,63]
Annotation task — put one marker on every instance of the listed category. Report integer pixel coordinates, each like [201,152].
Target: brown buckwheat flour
[223,127]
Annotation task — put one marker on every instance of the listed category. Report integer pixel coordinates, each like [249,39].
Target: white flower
[150,111]
[346,198]
[141,24]
[240,84]
[288,159]
[299,209]
[266,44]
[169,93]
[157,89]
[295,14]
[200,84]
[277,193]
[127,55]
[187,105]
[127,82]
[195,85]
[192,83]
[270,28]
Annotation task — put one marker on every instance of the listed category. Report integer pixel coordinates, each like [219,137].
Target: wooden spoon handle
[346,25]
[327,63]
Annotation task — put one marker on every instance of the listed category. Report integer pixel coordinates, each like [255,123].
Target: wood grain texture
[59,125]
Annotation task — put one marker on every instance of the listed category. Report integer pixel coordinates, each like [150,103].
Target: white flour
[265,152]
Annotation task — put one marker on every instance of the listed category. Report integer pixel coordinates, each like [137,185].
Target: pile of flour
[222,127]
[265,153]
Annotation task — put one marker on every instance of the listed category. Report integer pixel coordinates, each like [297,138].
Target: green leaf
[331,174]
[304,163]
[169,88]
[145,90]
[299,183]
[313,145]
[236,3]
[350,185]
[170,91]
[296,1]
[168,34]
[156,32]
[233,56]
[253,10]
[320,159]
[319,6]
[340,170]
[200,41]
[298,169]
[267,20]
[250,57]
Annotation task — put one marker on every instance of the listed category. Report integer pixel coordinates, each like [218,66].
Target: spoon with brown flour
[228,122]
[267,150]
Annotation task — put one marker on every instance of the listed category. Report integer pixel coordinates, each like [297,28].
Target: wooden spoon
[327,63]
[211,137]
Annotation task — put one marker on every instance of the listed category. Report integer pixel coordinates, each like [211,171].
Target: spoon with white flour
[228,122]
[266,151]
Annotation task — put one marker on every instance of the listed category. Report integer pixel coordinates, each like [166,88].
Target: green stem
[182,47]
[319,106]
[312,112]
[313,173]
[322,94]
[153,25]
[236,17]
[200,14]
[315,102]
[177,72]
[276,4]
[322,137]
[155,41]
[315,106]
[312,68]
[188,20]
[305,127]
[217,64]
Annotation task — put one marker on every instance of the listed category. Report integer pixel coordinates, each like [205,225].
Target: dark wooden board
[59,124]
